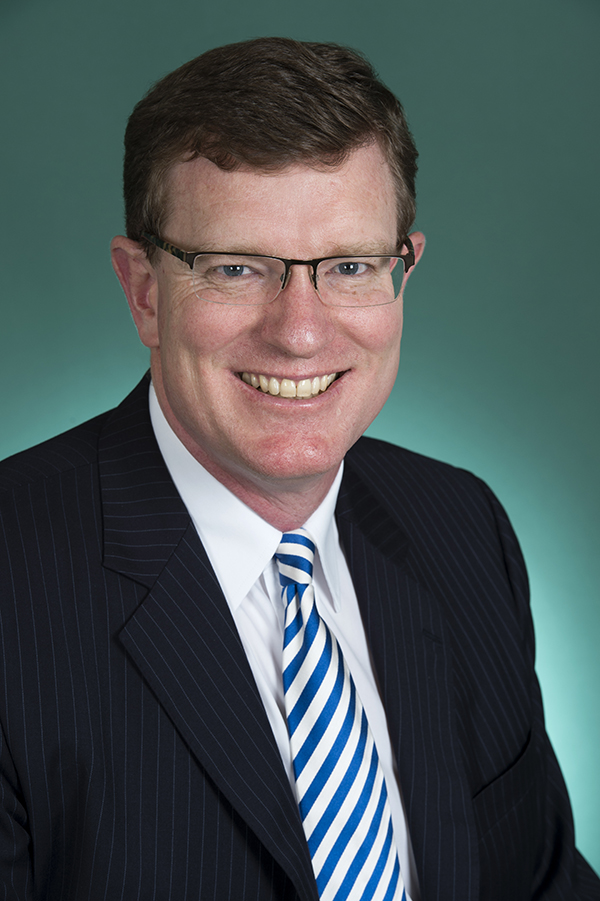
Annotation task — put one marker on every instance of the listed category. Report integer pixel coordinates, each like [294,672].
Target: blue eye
[233,271]
[350,267]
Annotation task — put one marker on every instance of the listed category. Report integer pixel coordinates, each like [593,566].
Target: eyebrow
[371,247]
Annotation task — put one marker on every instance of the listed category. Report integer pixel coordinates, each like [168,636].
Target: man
[153,668]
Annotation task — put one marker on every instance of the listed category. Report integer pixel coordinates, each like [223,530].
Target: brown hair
[265,103]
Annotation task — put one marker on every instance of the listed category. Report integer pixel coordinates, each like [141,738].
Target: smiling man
[326,354]
[248,653]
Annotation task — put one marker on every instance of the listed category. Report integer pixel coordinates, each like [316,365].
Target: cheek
[377,330]
[190,328]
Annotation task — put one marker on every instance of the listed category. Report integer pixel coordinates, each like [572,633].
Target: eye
[348,271]
[229,268]
[233,270]
[349,267]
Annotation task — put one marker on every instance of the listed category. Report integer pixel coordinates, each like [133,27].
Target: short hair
[265,103]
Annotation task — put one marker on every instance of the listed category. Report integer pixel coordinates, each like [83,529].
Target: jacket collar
[144,517]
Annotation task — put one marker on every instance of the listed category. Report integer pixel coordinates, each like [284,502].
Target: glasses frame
[189,256]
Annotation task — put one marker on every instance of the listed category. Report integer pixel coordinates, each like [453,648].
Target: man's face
[201,349]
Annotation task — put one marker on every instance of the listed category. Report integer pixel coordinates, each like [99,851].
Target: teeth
[304,388]
[289,387]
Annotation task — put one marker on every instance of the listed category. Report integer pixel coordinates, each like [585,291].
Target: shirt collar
[238,542]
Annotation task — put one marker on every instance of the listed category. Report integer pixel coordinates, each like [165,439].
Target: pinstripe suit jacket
[137,761]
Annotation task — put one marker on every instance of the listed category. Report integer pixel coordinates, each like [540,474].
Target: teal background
[499,372]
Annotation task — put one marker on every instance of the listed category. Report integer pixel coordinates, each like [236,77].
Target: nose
[310,269]
[297,322]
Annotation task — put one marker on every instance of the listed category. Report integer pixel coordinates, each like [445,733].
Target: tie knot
[295,556]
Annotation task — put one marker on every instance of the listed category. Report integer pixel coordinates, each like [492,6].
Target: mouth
[302,388]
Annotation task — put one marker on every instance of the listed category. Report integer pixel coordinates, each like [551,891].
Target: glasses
[364,280]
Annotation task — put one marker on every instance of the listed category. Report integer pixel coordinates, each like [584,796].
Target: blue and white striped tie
[340,786]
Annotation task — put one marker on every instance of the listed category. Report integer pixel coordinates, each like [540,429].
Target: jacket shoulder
[79,446]
[389,465]
[430,498]
[70,450]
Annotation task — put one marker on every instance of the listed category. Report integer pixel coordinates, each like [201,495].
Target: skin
[278,455]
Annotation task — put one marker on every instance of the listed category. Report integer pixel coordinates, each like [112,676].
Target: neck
[285,506]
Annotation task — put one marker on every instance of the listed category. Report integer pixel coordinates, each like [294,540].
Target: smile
[289,387]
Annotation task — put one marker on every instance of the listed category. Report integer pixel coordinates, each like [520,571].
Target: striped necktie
[340,786]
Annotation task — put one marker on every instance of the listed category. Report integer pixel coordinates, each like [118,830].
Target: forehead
[300,205]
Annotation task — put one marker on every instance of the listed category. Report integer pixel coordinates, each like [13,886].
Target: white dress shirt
[240,546]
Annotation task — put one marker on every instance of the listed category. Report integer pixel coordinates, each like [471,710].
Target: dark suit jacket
[136,758]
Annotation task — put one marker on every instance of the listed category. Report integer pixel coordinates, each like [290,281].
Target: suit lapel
[184,642]
[411,655]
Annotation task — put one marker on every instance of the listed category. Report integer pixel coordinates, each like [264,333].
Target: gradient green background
[499,372]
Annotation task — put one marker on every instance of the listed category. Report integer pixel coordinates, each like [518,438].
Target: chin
[292,462]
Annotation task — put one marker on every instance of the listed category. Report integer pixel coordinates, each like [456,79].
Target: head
[265,104]
[278,148]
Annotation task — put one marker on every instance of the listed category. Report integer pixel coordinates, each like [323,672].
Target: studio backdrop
[499,370]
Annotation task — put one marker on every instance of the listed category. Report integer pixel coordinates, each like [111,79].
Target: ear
[138,280]
[418,242]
